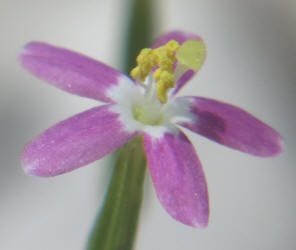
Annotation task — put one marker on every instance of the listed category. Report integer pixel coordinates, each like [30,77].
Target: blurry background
[251,63]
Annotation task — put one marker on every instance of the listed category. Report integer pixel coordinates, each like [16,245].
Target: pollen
[162,57]
[190,54]
[165,82]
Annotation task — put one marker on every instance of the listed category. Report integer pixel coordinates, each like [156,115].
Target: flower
[148,106]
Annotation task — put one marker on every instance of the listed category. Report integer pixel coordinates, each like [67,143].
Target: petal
[183,80]
[178,177]
[180,37]
[75,142]
[70,71]
[233,127]
[176,35]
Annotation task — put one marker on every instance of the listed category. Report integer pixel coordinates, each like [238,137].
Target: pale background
[251,63]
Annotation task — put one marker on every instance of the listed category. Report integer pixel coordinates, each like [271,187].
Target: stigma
[166,64]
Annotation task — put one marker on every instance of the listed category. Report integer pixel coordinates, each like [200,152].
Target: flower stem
[117,222]
[116,225]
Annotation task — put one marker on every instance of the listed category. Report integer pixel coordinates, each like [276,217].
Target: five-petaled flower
[145,105]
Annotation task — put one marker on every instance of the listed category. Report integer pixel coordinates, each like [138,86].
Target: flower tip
[27,168]
[275,147]
[23,52]
[32,167]
[31,48]
[28,171]
[199,224]
[279,146]
[33,170]
[200,220]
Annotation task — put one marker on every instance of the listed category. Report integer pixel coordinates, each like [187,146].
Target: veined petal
[180,37]
[178,177]
[75,142]
[70,71]
[232,127]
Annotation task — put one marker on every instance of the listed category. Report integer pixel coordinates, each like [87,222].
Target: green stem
[117,223]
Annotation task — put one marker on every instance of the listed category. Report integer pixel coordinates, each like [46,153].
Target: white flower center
[147,108]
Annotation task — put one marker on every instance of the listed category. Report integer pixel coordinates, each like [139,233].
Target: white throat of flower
[147,104]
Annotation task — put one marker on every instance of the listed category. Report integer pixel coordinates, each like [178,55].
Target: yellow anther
[160,89]
[145,63]
[166,81]
[143,56]
[164,58]
[135,73]
[172,46]
[157,74]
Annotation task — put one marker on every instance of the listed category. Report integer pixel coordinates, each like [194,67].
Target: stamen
[162,57]
[166,81]
[135,73]
[190,55]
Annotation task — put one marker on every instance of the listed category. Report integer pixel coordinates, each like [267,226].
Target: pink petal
[176,35]
[70,71]
[75,142]
[180,37]
[233,127]
[178,178]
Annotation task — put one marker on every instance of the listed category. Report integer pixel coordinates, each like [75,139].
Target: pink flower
[135,107]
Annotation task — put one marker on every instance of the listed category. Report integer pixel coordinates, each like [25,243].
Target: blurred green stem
[116,225]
